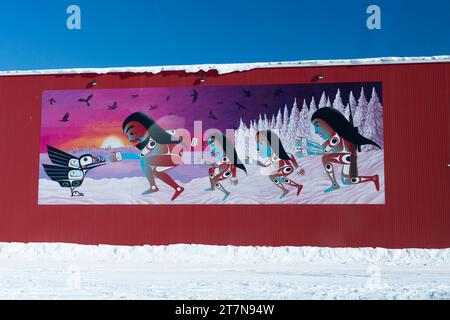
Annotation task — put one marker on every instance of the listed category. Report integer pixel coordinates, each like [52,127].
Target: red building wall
[416,99]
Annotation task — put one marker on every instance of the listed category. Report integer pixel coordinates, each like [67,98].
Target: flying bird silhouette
[52,101]
[194,96]
[134,96]
[113,107]
[153,107]
[212,116]
[247,93]
[87,100]
[240,106]
[65,118]
[278,92]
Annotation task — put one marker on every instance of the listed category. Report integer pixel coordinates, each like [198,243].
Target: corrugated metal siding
[417,150]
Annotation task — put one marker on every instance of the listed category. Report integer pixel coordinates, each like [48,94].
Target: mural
[258,144]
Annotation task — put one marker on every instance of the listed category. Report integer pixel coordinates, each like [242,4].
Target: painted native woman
[158,150]
[340,147]
[276,162]
[224,164]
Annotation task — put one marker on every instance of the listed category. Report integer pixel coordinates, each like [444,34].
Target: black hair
[225,143]
[275,144]
[342,126]
[155,131]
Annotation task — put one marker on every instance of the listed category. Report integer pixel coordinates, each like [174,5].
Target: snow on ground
[252,189]
[66,271]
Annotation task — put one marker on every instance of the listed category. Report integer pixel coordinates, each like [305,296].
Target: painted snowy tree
[260,125]
[291,134]
[328,104]
[347,111]
[285,123]
[304,113]
[266,122]
[373,127]
[279,121]
[323,100]
[241,140]
[353,106]
[310,134]
[252,152]
[338,104]
[361,112]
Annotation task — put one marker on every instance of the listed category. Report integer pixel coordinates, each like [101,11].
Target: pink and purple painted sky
[91,126]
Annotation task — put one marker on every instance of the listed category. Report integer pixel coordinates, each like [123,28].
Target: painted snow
[67,271]
[128,190]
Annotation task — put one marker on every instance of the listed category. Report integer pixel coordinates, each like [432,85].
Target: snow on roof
[228,68]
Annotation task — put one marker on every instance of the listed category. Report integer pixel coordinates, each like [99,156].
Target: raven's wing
[56,173]
[59,157]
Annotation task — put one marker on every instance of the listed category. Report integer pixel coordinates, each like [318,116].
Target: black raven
[240,106]
[87,100]
[68,170]
[52,101]
[65,118]
[212,116]
[113,107]
[153,107]
[247,93]
[194,96]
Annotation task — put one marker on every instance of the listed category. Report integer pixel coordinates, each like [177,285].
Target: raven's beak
[98,162]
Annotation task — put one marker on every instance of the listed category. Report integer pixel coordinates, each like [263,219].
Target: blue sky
[33,34]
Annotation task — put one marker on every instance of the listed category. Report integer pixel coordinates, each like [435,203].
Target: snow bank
[67,271]
[228,68]
[223,255]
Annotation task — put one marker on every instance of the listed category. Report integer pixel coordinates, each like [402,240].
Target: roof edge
[228,68]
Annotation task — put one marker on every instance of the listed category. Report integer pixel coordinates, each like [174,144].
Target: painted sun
[112,142]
